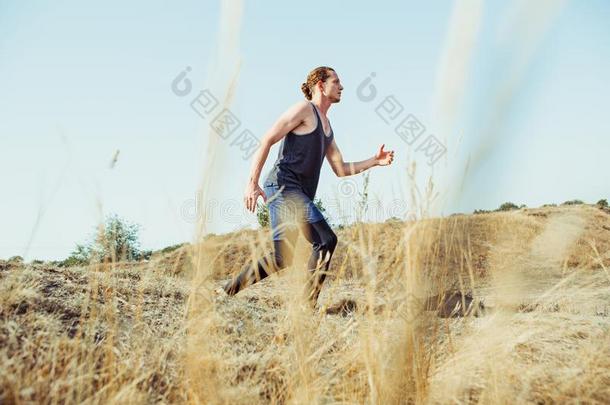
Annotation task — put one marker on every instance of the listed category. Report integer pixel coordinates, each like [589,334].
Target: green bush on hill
[116,240]
[508,206]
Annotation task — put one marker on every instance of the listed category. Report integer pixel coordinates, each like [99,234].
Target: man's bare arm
[289,120]
[342,168]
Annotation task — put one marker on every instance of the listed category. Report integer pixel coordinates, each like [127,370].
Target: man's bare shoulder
[297,113]
[301,107]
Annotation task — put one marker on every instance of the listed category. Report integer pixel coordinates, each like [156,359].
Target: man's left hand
[384,157]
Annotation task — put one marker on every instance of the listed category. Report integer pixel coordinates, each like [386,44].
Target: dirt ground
[164,331]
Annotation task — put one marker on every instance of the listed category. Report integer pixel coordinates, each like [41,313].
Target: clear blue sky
[80,81]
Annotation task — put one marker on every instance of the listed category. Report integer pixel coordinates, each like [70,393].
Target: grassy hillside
[163,331]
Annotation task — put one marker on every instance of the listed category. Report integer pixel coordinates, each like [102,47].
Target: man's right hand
[253,191]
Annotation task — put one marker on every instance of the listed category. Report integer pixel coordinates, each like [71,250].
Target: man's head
[323,83]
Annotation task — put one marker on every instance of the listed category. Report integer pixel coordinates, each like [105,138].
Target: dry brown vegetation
[163,331]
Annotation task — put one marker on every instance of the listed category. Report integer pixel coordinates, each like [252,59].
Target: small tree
[508,206]
[602,203]
[115,240]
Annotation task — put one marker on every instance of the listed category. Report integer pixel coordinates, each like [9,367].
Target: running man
[290,187]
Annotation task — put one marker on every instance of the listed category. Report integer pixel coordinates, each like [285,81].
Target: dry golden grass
[162,331]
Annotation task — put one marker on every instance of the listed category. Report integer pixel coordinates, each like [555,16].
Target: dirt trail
[551,247]
[521,272]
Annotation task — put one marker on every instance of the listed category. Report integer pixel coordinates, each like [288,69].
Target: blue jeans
[290,210]
[289,205]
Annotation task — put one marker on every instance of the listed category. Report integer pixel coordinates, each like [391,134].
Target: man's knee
[283,260]
[283,254]
[327,239]
[330,241]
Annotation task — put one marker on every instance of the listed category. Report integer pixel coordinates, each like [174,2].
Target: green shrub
[508,206]
[116,240]
[573,202]
[476,212]
[602,203]
[80,256]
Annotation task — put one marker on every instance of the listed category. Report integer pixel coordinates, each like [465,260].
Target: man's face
[332,87]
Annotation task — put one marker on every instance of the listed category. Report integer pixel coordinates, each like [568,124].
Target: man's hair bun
[320,73]
[305,89]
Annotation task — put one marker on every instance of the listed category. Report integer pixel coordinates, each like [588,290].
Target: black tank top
[300,159]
